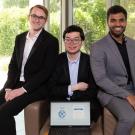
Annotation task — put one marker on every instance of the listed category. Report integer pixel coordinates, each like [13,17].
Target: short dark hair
[40,7]
[116,9]
[74,28]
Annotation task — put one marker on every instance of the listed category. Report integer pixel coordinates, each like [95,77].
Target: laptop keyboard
[69,131]
[57,131]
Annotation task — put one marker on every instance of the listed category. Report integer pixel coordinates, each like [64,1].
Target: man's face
[117,24]
[73,42]
[37,19]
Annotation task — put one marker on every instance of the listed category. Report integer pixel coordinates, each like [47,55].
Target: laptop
[70,118]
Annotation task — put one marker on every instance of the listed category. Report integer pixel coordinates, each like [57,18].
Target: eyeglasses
[33,16]
[74,41]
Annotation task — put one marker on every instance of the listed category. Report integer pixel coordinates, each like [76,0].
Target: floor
[20,117]
[20,124]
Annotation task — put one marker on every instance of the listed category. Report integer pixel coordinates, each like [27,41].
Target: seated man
[113,67]
[31,65]
[72,79]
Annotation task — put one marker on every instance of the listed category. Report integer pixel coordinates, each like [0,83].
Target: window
[129,5]
[14,20]
[91,16]
[55,12]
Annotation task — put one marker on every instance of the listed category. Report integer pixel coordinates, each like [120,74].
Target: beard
[117,33]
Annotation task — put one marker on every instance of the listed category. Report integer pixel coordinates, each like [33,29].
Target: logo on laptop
[62,114]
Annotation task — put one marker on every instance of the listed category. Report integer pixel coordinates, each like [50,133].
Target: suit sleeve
[93,88]
[98,66]
[91,92]
[58,87]
[12,69]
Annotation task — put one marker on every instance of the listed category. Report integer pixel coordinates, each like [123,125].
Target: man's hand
[11,94]
[81,86]
[7,92]
[131,100]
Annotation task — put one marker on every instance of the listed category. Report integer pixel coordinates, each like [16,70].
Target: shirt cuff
[8,89]
[70,92]
[24,90]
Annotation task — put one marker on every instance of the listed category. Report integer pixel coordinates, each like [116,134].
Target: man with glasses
[72,79]
[30,68]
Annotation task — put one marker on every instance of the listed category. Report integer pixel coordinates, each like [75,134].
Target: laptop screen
[70,114]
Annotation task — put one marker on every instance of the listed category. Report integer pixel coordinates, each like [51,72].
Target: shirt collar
[35,36]
[76,60]
[123,42]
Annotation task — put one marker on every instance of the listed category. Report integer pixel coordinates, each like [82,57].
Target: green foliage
[54,24]
[17,3]
[10,26]
[54,6]
[91,16]
[116,2]
[55,30]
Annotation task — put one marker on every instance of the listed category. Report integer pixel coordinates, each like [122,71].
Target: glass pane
[54,10]
[91,16]
[14,20]
[130,7]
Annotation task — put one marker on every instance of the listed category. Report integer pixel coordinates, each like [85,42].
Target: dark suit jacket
[40,63]
[109,70]
[61,79]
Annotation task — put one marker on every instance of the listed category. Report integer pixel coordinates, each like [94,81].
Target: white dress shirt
[27,49]
[73,71]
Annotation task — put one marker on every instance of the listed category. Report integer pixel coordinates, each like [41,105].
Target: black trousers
[11,108]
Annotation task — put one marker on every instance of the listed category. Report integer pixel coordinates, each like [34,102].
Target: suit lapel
[81,67]
[66,68]
[131,52]
[131,56]
[21,50]
[116,52]
[36,44]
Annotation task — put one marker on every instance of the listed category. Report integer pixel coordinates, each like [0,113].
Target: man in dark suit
[72,79]
[113,67]
[31,65]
